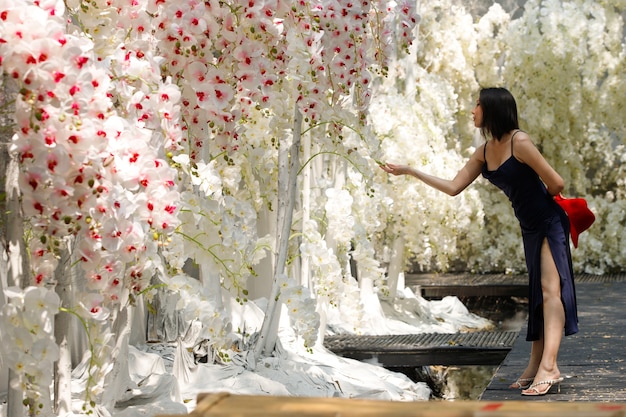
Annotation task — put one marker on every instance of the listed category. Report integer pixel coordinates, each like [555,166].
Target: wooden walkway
[465,284]
[473,285]
[593,362]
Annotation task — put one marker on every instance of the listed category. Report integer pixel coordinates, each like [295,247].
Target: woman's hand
[396,169]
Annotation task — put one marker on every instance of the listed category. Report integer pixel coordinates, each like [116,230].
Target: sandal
[522,383]
[533,391]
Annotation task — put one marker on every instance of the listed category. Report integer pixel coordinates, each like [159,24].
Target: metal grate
[414,342]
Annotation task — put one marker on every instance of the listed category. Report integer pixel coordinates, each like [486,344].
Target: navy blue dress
[540,217]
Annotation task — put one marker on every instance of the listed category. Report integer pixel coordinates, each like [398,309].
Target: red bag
[580,217]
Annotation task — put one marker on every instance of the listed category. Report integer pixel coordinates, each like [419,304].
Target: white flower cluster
[339,216]
[301,308]
[327,274]
[27,322]
[564,63]
[197,302]
[435,227]
[369,213]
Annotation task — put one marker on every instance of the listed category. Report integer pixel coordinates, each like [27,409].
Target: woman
[509,160]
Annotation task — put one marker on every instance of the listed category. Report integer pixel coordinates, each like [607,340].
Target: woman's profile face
[477,114]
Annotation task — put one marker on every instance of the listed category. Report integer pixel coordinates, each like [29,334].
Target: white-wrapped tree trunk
[288,166]
[396,265]
[14,255]
[62,334]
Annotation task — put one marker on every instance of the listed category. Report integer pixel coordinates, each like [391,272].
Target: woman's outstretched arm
[463,178]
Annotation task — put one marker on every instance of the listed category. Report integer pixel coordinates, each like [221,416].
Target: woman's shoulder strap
[513,137]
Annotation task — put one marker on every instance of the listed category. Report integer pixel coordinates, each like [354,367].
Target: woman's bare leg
[536,352]
[553,318]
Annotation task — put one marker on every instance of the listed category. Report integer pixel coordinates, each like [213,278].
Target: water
[459,382]
[469,382]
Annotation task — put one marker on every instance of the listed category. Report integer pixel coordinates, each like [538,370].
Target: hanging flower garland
[87,172]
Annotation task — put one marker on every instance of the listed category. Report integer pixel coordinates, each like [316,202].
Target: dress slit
[559,247]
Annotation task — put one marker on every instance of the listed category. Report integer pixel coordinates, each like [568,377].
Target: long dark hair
[499,112]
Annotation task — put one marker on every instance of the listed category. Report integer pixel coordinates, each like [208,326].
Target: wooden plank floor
[433,285]
[593,361]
